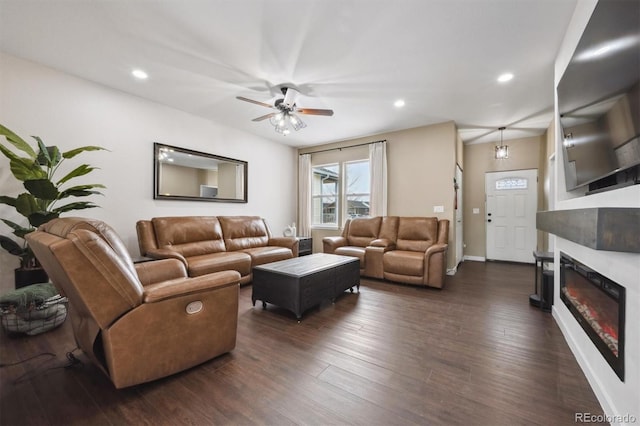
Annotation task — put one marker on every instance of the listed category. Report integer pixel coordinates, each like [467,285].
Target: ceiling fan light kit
[285,117]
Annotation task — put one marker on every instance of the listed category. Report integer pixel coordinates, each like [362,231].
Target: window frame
[341,196]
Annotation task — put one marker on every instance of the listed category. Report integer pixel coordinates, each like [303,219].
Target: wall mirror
[183,174]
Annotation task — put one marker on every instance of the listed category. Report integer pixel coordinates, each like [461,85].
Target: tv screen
[599,96]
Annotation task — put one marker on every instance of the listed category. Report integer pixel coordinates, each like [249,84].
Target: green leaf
[11,246]
[17,141]
[25,169]
[78,171]
[26,204]
[74,152]
[71,192]
[42,188]
[18,230]
[38,218]
[43,153]
[75,206]
[11,201]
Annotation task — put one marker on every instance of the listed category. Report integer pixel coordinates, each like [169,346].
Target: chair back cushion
[363,230]
[88,262]
[189,235]
[416,233]
[243,232]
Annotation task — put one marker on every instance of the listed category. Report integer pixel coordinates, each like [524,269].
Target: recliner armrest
[330,244]
[384,243]
[160,270]
[436,248]
[183,286]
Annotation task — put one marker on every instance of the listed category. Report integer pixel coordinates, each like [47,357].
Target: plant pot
[25,277]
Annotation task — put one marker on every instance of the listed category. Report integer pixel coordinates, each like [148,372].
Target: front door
[512,202]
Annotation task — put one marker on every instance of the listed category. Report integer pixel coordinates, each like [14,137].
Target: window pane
[357,206]
[357,189]
[325,185]
[511,183]
[357,177]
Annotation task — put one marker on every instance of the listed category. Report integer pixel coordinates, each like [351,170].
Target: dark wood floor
[474,353]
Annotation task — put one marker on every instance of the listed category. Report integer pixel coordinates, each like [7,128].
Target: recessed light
[139,74]
[505,77]
[399,103]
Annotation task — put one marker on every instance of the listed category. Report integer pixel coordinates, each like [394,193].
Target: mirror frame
[156,175]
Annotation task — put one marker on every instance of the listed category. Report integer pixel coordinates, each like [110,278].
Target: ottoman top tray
[306,265]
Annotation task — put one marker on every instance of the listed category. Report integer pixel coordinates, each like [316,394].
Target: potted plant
[37,170]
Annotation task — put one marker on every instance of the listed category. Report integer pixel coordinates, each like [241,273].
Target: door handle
[488,214]
[488,220]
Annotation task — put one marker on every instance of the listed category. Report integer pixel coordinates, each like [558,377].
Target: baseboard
[475,258]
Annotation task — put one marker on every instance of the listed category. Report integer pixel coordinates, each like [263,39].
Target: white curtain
[304,195]
[378,168]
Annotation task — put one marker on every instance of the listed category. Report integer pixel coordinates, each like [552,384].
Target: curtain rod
[343,147]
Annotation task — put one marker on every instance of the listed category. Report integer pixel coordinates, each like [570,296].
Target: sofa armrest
[183,286]
[383,243]
[330,244]
[287,242]
[160,270]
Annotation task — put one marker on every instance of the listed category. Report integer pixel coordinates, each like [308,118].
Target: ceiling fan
[285,111]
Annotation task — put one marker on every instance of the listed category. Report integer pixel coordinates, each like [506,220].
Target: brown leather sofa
[206,244]
[140,322]
[410,250]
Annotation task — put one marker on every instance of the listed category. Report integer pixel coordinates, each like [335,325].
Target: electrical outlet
[438,209]
[476,210]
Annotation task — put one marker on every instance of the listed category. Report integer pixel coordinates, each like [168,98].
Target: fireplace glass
[598,304]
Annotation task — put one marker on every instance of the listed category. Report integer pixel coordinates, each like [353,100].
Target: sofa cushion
[223,261]
[417,233]
[190,235]
[363,230]
[262,255]
[403,262]
[243,232]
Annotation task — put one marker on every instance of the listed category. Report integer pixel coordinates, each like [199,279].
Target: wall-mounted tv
[599,100]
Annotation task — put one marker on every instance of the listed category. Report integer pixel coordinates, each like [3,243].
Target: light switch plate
[476,210]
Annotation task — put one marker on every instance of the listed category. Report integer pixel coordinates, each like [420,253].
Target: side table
[305,246]
[541,257]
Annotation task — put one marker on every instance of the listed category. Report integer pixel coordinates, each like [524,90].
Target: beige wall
[479,159]
[421,167]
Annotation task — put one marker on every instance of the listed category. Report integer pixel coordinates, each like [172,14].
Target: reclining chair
[140,322]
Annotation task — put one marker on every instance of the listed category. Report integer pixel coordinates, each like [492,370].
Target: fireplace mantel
[601,228]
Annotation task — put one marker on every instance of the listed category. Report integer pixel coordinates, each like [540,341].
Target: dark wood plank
[475,353]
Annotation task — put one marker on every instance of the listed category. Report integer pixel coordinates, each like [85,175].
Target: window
[357,188]
[511,183]
[340,191]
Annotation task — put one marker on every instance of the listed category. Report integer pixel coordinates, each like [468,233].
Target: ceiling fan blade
[242,98]
[314,111]
[264,117]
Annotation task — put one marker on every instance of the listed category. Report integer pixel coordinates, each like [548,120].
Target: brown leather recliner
[421,252]
[410,250]
[135,322]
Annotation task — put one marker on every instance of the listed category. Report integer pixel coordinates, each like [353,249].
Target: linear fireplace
[598,304]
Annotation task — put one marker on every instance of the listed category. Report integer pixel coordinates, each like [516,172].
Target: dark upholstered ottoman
[303,282]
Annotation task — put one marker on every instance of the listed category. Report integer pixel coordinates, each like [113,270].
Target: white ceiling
[353,56]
